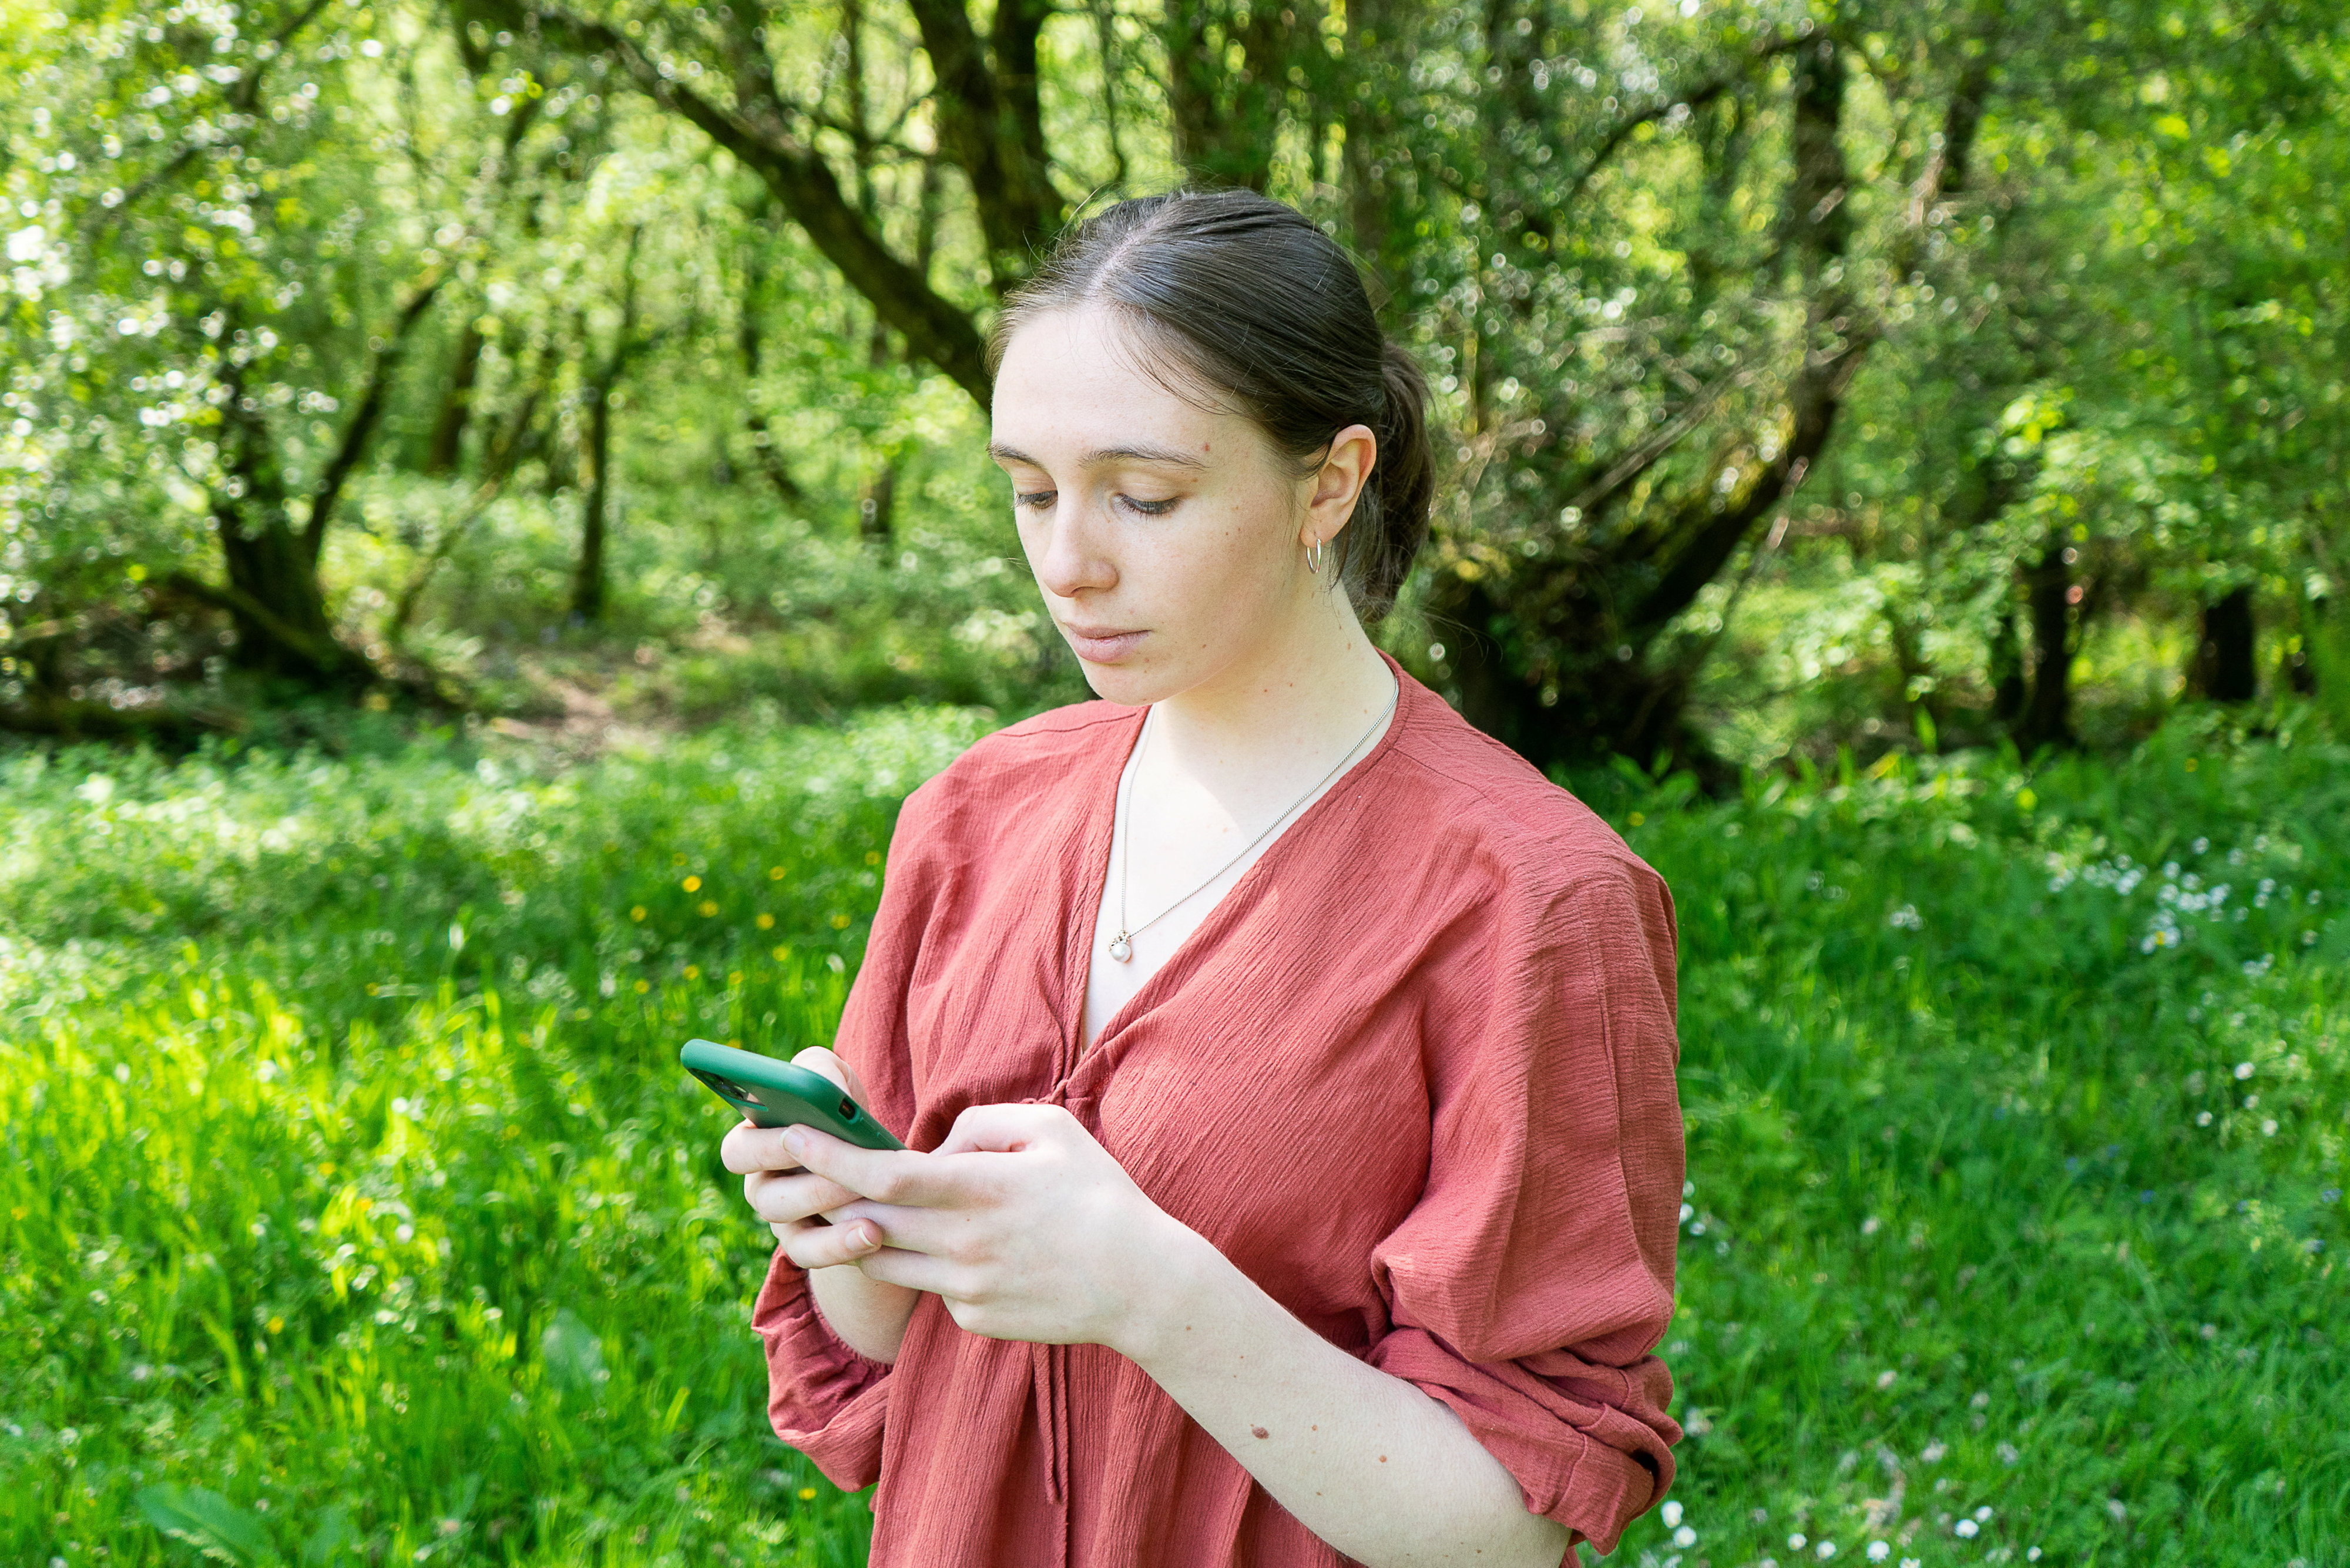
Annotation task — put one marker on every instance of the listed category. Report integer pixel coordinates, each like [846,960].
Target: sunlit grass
[356,1212]
[2017,1141]
[355,1208]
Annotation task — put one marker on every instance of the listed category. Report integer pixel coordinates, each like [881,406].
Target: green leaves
[216,1527]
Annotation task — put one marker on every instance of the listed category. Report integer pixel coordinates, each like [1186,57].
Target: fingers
[784,1198]
[813,1246]
[885,1175]
[918,1271]
[1008,1129]
[748,1147]
[817,1059]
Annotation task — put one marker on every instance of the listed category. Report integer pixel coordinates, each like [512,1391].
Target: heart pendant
[1120,949]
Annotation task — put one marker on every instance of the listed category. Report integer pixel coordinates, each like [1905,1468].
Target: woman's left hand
[1024,1224]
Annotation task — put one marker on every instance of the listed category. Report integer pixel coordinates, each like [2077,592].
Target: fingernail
[865,1239]
[795,1140]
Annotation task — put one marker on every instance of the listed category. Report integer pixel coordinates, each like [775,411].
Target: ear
[1338,483]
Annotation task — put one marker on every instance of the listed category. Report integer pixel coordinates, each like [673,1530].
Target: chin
[1127,684]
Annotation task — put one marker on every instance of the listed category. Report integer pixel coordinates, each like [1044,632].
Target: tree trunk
[1226,138]
[2008,686]
[2223,669]
[1570,627]
[448,443]
[272,594]
[750,339]
[876,507]
[2047,717]
[1370,194]
[588,577]
[278,607]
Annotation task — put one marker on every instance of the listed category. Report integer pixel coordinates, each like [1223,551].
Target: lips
[1101,644]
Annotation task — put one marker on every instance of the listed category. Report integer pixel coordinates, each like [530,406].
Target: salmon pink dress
[1414,1075]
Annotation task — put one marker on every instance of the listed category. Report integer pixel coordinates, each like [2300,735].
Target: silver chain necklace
[1121,946]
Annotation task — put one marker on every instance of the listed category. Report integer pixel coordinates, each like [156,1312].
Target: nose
[1066,554]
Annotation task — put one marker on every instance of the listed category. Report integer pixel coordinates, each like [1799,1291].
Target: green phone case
[776,1094]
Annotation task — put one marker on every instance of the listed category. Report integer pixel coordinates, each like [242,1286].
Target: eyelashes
[1037,500]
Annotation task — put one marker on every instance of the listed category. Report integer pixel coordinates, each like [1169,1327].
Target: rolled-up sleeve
[825,1399]
[1529,1285]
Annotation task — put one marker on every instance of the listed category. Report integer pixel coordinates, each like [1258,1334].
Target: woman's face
[1168,539]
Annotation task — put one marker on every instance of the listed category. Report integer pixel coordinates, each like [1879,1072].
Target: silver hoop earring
[1313,556]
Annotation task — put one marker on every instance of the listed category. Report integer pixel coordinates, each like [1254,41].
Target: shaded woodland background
[1863,375]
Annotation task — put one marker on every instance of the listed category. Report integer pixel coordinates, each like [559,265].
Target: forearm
[1370,1463]
[867,1314]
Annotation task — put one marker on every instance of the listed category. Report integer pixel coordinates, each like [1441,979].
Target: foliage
[2029,315]
[355,1209]
[358,1204]
[2017,1104]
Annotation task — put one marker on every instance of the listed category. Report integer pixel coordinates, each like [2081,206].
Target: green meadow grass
[355,1211]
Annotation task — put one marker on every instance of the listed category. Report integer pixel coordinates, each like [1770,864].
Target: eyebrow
[1101,455]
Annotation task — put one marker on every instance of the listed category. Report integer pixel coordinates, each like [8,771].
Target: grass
[355,1211]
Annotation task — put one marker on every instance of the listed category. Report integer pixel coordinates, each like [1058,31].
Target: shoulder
[1485,806]
[1045,761]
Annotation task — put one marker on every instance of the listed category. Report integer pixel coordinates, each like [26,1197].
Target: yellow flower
[735,977]
[694,972]
[708,907]
[780,954]
[643,986]
[775,873]
[873,857]
[638,913]
[691,884]
[1638,818]
[766,922]
[807,1494]
[840,922]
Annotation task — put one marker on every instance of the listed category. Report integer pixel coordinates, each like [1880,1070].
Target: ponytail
[1390,521]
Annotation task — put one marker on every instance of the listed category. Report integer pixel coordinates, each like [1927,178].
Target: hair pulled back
[1260,306]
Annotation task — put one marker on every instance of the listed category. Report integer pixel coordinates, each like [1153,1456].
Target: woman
[1295,1064]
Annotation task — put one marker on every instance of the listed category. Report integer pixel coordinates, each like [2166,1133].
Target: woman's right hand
[791,1199]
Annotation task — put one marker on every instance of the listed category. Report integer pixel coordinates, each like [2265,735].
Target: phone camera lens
[848,1108]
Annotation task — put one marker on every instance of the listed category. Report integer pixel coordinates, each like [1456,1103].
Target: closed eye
[1037,500]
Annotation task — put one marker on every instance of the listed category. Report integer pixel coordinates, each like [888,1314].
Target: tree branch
[325,652]
[991,119]
[1695,97]
[934,329]
[364,420]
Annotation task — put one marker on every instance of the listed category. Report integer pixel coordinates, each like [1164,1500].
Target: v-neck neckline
[1091,873]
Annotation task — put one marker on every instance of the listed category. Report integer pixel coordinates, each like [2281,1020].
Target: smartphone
[774,1093]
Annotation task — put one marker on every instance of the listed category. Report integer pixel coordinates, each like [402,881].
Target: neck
[1305,695]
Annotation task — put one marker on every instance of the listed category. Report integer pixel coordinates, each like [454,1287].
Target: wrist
[1177,1315]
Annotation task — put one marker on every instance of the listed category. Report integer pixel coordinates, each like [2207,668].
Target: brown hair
[1257,304]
